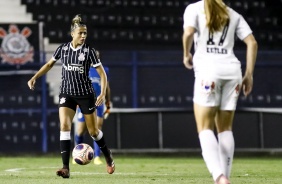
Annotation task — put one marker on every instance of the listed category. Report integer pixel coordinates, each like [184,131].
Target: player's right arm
[190,26]
[42,71]
[45,68]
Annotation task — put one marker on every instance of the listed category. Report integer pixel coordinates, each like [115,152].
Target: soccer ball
[82,154]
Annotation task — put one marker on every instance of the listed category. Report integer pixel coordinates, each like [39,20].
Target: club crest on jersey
[85,50]
[81,57]
[65,48]
[15,48]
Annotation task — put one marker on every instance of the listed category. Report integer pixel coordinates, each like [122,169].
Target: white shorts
[220,93]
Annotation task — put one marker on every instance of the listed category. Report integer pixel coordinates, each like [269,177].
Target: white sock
[99,136]
[226,151]
[65,135]
[210,153]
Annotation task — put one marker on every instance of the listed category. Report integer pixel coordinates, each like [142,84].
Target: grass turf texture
[135,170]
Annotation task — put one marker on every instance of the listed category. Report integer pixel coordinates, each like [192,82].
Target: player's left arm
[108,96]
[101,98]
[108,101]
[251,56]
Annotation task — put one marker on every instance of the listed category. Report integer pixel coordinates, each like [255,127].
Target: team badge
[15,48]
[65,48]
[85,50]
[81,57]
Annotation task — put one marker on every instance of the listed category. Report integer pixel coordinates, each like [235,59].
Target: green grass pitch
[137,169]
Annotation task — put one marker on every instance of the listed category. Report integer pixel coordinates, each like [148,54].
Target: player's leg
[224,121]
[97,150]
[205,125]
[206,101]
[67,107]
[92,126]
[98,137]
[66,116]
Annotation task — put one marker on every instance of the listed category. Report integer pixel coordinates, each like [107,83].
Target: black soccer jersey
[75,68]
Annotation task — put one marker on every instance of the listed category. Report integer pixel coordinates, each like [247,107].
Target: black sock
[102,144]
[65,152]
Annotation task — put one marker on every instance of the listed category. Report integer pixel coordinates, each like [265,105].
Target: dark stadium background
[140,41]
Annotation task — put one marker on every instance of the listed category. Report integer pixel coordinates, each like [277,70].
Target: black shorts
[85,102]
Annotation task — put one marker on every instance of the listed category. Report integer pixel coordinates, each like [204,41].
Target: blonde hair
[77,22]
[216,14]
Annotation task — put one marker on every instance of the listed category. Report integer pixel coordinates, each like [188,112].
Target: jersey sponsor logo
[74,67]
[15,48]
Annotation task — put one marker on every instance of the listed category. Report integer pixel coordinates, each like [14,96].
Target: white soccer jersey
[214,52]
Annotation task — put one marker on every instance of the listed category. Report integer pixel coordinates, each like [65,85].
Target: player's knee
[65,127]
[94,133]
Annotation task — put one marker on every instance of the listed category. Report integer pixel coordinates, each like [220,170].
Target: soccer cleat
[63,172]
[222,180]
[110,163]
[97,161]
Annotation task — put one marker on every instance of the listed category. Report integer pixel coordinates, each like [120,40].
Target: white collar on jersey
[75,49]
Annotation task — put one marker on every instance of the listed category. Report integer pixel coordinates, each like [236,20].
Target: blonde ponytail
[77,22]
[216,15]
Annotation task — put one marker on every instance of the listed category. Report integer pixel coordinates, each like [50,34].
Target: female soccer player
[218,77]
[76,89]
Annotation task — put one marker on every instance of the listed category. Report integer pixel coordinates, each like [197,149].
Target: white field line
[94,173]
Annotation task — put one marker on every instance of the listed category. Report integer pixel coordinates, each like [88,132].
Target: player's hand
[100,100]
[31,84]
[188,62]
[107,111]
[247,84]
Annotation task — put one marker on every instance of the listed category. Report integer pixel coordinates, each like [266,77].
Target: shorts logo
[62,100]
[15,48]
[237,89]
[208,87]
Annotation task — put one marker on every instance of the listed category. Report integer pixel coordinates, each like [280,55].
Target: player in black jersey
[76,89]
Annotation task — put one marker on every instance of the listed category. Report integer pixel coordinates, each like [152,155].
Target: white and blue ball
[82,154]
